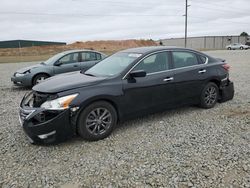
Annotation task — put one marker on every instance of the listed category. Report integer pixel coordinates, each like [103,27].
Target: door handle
[168,79]
[202,71]
[75,65]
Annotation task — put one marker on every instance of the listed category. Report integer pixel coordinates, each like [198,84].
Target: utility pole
[186,15]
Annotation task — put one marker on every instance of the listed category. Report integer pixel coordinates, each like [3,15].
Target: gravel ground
[185,147]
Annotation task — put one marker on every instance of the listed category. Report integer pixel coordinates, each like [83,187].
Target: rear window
[88,56]
[184,59]
[98,56]
[203,59]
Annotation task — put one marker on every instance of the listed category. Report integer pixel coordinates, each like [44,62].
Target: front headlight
[19,74]
[60,103]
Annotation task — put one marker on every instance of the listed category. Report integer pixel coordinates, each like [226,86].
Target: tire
[241,48]
[229,48]
[90,125]
[209,96]
[39,78]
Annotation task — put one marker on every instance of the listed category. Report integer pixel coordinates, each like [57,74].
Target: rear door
[190,75]
[68,63]
[156,90]
[89,59]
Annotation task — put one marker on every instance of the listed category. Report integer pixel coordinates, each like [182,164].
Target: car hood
[66,81]
[22,70]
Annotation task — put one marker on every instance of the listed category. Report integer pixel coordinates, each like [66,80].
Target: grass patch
[27,58]
[17,59]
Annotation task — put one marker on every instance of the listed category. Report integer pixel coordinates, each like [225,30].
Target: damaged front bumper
[44,126]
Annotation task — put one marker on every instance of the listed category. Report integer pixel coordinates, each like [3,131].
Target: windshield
[53,59]
[113,64]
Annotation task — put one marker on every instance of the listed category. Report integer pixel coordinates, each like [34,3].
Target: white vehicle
[235,46]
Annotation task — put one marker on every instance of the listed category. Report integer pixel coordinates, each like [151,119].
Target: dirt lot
[41,53]
[186,147]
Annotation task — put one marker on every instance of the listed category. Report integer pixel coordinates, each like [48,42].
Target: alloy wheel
[210,95]
[98,121]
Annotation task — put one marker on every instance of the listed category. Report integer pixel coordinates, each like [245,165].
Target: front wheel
[97,121]
[241,48]
[39,78]
[229,48]
[209,95]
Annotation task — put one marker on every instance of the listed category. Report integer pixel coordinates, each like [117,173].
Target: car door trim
[158,72]
[168,79]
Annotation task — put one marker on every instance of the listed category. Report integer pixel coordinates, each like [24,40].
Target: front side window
[154,63]
[184,59]
[70,58]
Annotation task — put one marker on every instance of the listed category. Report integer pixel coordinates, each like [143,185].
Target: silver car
[235,46]
[68,61]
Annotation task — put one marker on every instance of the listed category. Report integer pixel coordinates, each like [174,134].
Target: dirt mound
[109,46]
[113,45]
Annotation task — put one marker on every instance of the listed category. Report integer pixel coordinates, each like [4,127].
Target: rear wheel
[39,78]
[241,48]
[97,121]
[209,95]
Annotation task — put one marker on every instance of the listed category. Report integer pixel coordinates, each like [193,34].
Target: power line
[87,15]
[229,21]
[222,6]
[217,9]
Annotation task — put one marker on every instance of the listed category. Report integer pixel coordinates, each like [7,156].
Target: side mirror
[57,63]
[138,73]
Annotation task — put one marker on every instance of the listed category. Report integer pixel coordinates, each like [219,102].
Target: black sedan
[127,84]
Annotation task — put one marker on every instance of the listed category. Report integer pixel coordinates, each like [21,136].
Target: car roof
[79,50]
[149,49]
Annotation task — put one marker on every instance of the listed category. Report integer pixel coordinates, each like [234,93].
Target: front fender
[42,70]
[90,94]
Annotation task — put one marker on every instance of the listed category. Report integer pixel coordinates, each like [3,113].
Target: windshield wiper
[83,72]
[88,74]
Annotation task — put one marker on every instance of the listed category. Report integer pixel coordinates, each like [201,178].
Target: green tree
[244,34]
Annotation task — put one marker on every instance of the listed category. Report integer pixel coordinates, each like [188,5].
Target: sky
[85,20]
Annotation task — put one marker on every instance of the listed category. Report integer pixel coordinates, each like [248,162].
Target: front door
[67,63]
[156,90]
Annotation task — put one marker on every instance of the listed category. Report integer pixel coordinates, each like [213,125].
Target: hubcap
[40,79]
[210,95]
[98,121]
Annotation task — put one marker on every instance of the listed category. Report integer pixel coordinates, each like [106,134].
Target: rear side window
[154,63]
[88,56]
[98,56]
[184,59]
[203,59]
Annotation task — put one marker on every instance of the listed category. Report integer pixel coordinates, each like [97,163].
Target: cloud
[75,20]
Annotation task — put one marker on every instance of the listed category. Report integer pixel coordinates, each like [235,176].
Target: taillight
[226,67]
